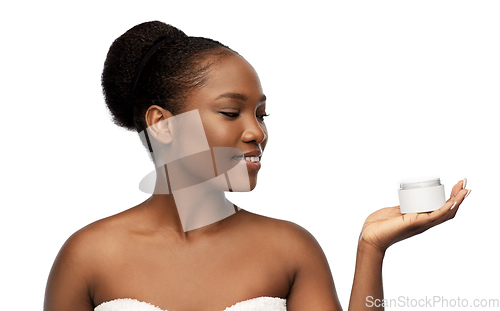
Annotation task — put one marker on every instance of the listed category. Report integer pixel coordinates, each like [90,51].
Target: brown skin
[143,253]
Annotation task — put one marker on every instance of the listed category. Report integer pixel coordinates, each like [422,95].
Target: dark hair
[175,68]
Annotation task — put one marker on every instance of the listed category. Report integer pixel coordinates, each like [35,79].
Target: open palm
[388,226]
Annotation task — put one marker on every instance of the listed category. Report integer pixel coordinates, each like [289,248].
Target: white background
[361,94]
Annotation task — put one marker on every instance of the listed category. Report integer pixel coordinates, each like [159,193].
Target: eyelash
[234,115]
[230,114]
[261,117]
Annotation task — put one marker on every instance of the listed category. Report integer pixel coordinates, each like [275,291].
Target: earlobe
[159,124]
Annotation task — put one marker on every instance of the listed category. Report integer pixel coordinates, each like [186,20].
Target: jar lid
[422,183]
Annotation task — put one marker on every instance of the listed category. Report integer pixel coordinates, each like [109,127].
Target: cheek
[221,135]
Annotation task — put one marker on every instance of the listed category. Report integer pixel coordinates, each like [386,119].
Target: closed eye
[230,114]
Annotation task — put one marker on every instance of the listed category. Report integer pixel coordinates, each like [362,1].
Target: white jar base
[421,200]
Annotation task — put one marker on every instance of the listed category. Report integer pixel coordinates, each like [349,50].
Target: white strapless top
[254,304]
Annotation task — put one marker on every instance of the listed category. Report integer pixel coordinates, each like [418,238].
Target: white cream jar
[419,196]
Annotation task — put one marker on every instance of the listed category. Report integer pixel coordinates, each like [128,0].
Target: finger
[452,211]
[459,186]
[424,221]
[459,198]
[467,194]
[416,221]
[440,212]
[438,216]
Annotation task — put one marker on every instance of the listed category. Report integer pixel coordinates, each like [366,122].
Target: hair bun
[121,64]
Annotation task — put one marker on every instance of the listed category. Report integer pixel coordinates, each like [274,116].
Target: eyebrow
[238,96]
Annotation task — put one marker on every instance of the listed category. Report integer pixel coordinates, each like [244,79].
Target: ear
[159,125]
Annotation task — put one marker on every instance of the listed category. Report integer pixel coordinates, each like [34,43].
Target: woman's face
[232,107]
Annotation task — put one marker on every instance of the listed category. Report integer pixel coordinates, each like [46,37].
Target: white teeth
[252,159]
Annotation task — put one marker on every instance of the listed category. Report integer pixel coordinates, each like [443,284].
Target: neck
[191,208]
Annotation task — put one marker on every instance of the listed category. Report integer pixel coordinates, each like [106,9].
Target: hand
[388,226]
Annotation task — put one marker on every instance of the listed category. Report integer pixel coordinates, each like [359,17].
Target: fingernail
[453,206]
[464,183]
[468,192]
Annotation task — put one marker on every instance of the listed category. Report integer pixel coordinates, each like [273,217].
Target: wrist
[367,249]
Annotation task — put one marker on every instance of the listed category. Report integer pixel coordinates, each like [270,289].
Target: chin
[253,185]
[245,186]
[252,181]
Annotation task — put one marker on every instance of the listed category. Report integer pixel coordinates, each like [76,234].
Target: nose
[254,132]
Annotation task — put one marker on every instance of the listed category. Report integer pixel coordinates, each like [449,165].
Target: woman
[199,108]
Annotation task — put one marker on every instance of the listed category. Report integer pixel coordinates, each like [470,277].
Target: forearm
[367,279]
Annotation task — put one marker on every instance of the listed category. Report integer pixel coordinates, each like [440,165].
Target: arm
[313,287]
[67,285]
[367,278]
[382,229]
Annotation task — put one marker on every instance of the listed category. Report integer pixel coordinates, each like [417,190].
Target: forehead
[231,74]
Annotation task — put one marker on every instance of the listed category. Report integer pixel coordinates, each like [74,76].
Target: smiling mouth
[248,159]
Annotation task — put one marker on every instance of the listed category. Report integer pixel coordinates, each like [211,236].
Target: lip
[254,153]
[252,166]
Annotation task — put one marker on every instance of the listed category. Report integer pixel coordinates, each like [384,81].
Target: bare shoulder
[100,237]
[88,246]
[312,286]
[277,226]
[71,279]
[85,246]
[293,238]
